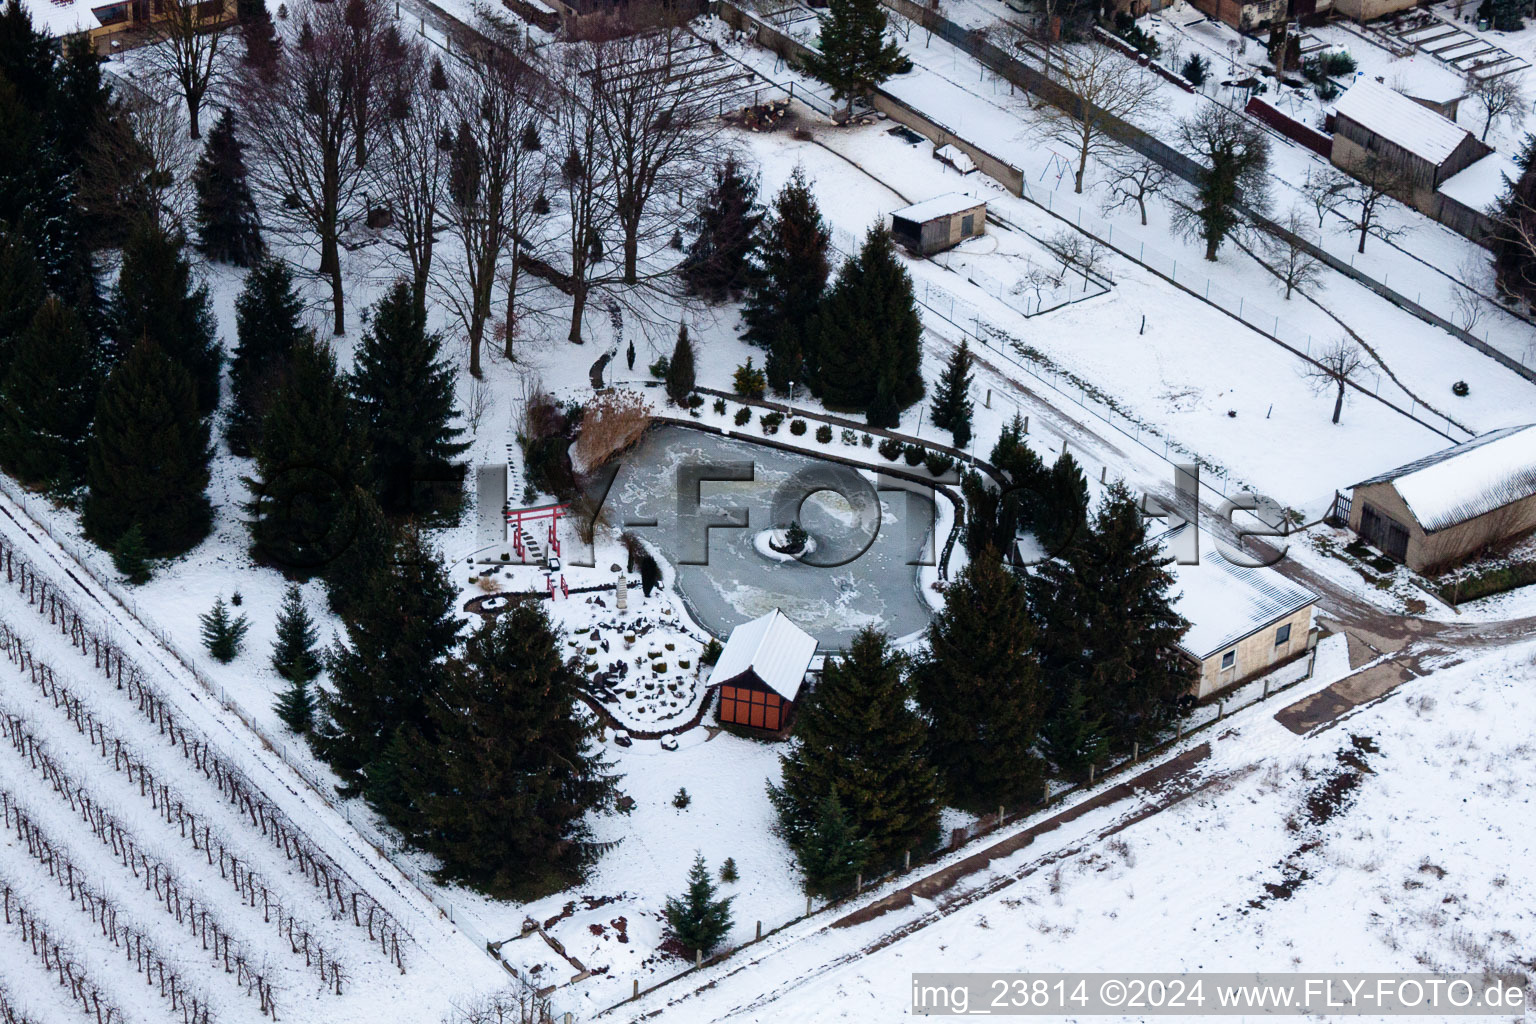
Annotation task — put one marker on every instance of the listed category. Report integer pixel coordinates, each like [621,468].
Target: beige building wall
[1428,551]
[1365,10]
[1256,653]
[1349,154]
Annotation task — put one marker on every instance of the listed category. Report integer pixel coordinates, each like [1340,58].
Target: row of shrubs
[892,449]
[1489,582]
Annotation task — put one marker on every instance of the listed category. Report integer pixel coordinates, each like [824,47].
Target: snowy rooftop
[1225,602]
[772,647]
[1481,185]
[63,17]
[939,206]
[1393,116]
[1468,479]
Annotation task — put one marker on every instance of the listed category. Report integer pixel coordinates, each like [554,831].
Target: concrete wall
[1365,10]
[1256,654]
[995,167]
[1428,552]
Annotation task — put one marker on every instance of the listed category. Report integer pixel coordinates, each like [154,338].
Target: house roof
[773,648]
[1400,120]
[1225,602]
[1467,480]
[1482,183]
[63,17]
[948,204]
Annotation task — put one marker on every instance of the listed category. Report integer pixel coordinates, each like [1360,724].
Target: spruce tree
[308,466]
[21,293]
[390,666]
[831,854]
[228,226]
[952,398]
[296,660]
[147,461]
[979,685]
[223,634]
[268,324]
[788,280]
[680,379]
[155,298]
[1018,506]
[403,388]
[48,400]
[867,337]
[366,551]
[717,266]
[1072,738]
[853,55]
[696,919]
[511,746]
[1059,512]
[130,558]
[1107,626]
[858,732]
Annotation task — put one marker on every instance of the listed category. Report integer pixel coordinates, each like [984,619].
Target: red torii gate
[517,517]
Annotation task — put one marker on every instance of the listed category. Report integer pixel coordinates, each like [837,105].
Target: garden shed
[939,223]
[1422,147]
[1437,510]
[760,671]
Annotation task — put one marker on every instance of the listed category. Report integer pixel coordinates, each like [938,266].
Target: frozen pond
[870,534]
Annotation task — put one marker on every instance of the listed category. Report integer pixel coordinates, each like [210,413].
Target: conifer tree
[1072,738]
[831,854]
[223,634]
[979,686]
[228,226]
[389,667]
[48,400]
[788,279]
[147,460]
[1107,626]
[717,265]
[952,398]
[267,323]
[403,388]
[1018,506]
[510,746]
[857,731]
[680,378]
[296,660]
[853,55]
[155,298]
[696,919]
[21,293]
[130,558]
[867,337]
[984,526]
[366,550]
[1058,515]
[308,466]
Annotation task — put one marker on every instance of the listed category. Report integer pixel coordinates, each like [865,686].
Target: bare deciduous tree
[1470,307]
[410,165]
[1360,198]
[304,119]
[190,39]
[140,165]
[1132,182]
[1236,173]
[1499,99]
[508,1007]
[1320,188]
[1104,85]
[1334,369]
[1292,260]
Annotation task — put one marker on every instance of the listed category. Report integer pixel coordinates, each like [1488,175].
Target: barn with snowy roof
[1420,146]
[1437,510]
[760,672]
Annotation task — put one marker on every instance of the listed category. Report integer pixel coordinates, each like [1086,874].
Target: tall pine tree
[853,55]
[365,554]
[831,854]
[698,920]
[309,465]
[1107,627]
[228,226]
[680,368]
[858,732]
[156,298]
[510,746]
[867,337]
[717,266]
[21,293]
[952,398]
[403,388]
[147,461]
[267,323]
[388,670]
[980,688]
[296,660]
[48,400]
[788,279]
[1058,513]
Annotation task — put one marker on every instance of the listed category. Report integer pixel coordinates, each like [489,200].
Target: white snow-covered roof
[63,17]
[1482,183]
[948,204]
[1397,118]
[776,650]
[955,158]
[1467,480]
[1225,602]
